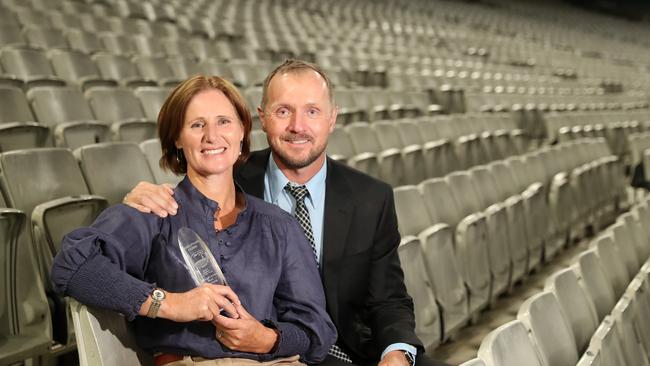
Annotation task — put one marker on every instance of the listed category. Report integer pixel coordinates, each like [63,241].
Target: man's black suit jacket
[363,280]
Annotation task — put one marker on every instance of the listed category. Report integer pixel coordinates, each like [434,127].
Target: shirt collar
[187,189]
[277,182]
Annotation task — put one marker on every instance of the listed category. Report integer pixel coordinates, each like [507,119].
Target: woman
[130,262]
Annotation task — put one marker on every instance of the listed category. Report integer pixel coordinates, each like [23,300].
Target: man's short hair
[294,66]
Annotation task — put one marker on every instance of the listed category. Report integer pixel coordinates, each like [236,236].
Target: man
[348,217]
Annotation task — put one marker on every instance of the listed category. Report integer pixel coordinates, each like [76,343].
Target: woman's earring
[179,155]
[241,146]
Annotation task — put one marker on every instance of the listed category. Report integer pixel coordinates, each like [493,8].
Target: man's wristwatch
[157,296]
[409,358]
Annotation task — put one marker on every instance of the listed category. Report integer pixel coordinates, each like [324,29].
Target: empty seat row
[481,231]
[75,118]
[407,152]
[614,126]
[35,67]
[578,315]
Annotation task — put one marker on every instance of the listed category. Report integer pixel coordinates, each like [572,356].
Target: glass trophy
[198,259]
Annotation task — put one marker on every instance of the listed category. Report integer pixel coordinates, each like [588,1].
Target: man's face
[298,118]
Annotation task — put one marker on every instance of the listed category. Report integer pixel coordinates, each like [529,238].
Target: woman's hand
[202,303]
[245,334]
[148,197]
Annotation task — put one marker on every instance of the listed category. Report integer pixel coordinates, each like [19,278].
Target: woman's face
[211,134]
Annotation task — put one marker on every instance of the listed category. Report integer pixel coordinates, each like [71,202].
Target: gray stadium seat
[497,228]
[607,340]
[628,327]
[18,127]
[112,169]
[14,345]
[427,318]
[339,146]
[55,208]
[364,140]
[120,68]
[44,38]
[471,240]
[183,66]
[516,214]
[30,65]
[151,100]
[117,44]
[258,140]
[549,330]
[596,284]
[11,35]
[66,111]
[82,41]
[440,260]
[509,345]
[157,69]
[622,235]
[577,306]
[77,69]
[634,224]
[445,277]
[612,263]
[147,46]
[105,338]
[121,108]
[415,169]
[152,151]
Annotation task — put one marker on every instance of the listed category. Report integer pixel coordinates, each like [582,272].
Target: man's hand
[245,334]
[201,303]
[394,358]
[148,197]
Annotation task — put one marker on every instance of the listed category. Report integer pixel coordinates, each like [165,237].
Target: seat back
[550,332]
[628,327]
[445,277]
[54,105]
[412,214]
[577,306]
[607,340]
[611,262]
[104,338]
[509,345]
[14,106]
[52,173]
[152,99]
[113,169]
[153,152]
[114,104]
[428,325]
[592,278]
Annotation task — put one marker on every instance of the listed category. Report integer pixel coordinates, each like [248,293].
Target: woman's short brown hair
[172,116]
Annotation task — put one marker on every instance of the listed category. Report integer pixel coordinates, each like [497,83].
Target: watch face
[158,295]
[409,357]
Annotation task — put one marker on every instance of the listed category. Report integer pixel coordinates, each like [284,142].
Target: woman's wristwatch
[409,358]
[157,297]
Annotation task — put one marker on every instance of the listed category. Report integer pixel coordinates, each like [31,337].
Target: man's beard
[292,162]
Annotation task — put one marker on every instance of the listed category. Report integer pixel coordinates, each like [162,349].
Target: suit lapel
[338,209]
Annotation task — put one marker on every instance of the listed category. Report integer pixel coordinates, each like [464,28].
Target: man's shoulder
[360,182]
